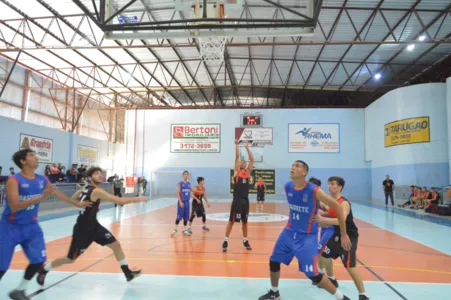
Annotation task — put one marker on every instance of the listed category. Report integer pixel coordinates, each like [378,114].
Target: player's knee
[274,266]
[316,279]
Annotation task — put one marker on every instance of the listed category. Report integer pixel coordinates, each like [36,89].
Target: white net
[212,49]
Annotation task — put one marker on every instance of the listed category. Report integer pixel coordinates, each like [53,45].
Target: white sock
[48,267]
[245,240]
[274,289]
[332,277]
[123,262]
[23,285]
[226,239]
[338,295]
[363,294]
[321,271]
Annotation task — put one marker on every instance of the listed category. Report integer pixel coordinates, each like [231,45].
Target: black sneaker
[270,296]
[224,246]
[18,295]
[132,275]
[41,276]
[363,297]
[247,245]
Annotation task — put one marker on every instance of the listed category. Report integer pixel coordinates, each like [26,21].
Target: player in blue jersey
[300,237]
[184,193]
[239,211]
[18,225]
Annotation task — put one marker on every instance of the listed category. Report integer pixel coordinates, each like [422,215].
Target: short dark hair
[92,170]
[315,181]
[339,180]
[20,155]
[185,172]
[304,164]
[199,179]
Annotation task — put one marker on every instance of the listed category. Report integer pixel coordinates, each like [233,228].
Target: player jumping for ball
[300,237]
[240,205]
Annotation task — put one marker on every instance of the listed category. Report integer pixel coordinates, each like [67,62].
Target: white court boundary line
[234,278]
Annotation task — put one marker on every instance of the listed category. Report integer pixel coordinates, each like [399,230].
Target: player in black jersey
[239,211]
[261,190]
[332,249]
[88,229]
[198,209]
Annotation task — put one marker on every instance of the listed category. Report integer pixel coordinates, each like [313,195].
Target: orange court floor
[388,255]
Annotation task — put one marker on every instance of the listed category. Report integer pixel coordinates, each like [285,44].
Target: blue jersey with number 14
[303,207]
[29,188]
[185,191]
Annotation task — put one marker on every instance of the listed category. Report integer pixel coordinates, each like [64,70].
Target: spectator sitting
[435,197]
[416,196]
[11,171]
[424,195]
[411,195]
[54,170]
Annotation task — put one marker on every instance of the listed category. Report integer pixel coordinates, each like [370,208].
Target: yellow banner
[407,131]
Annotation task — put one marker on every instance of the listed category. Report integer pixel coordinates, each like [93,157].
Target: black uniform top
[90,213]
[351,228]
[241,185]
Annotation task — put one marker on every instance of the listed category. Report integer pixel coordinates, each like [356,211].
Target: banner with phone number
[195,138]
[269,177]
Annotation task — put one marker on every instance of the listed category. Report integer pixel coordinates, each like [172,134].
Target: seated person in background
[424,195]
[411,195]
[433,200]
[416,195]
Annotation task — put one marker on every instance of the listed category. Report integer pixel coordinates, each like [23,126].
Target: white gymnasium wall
[424,164]
[155,127]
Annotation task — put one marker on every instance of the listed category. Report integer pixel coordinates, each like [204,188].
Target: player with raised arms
[239,211]
[87,229]
[300,237]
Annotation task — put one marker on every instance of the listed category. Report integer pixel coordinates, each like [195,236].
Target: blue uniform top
[185,191]
[303,207]
[28,189]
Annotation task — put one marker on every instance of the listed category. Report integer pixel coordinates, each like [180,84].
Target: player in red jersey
[240,205]
[198,209]
[332,248]
[261,191]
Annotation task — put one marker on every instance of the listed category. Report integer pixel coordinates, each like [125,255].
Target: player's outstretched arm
[251,157]
[345,241]
[101,194]
[12,193]
[236,168]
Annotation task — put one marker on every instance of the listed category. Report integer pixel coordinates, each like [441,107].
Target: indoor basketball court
[175,82]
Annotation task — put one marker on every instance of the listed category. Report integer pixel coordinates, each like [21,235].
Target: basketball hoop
[212,49]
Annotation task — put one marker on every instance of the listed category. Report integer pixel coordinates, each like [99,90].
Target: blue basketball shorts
[183,212]
[29,236]
[300,245]
[326,234]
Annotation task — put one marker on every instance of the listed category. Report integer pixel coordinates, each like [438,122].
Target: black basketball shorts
[240,210]
[334,250]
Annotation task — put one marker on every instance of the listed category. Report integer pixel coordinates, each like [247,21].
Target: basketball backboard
[154,19]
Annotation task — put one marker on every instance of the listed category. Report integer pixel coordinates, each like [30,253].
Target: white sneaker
[173,232]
